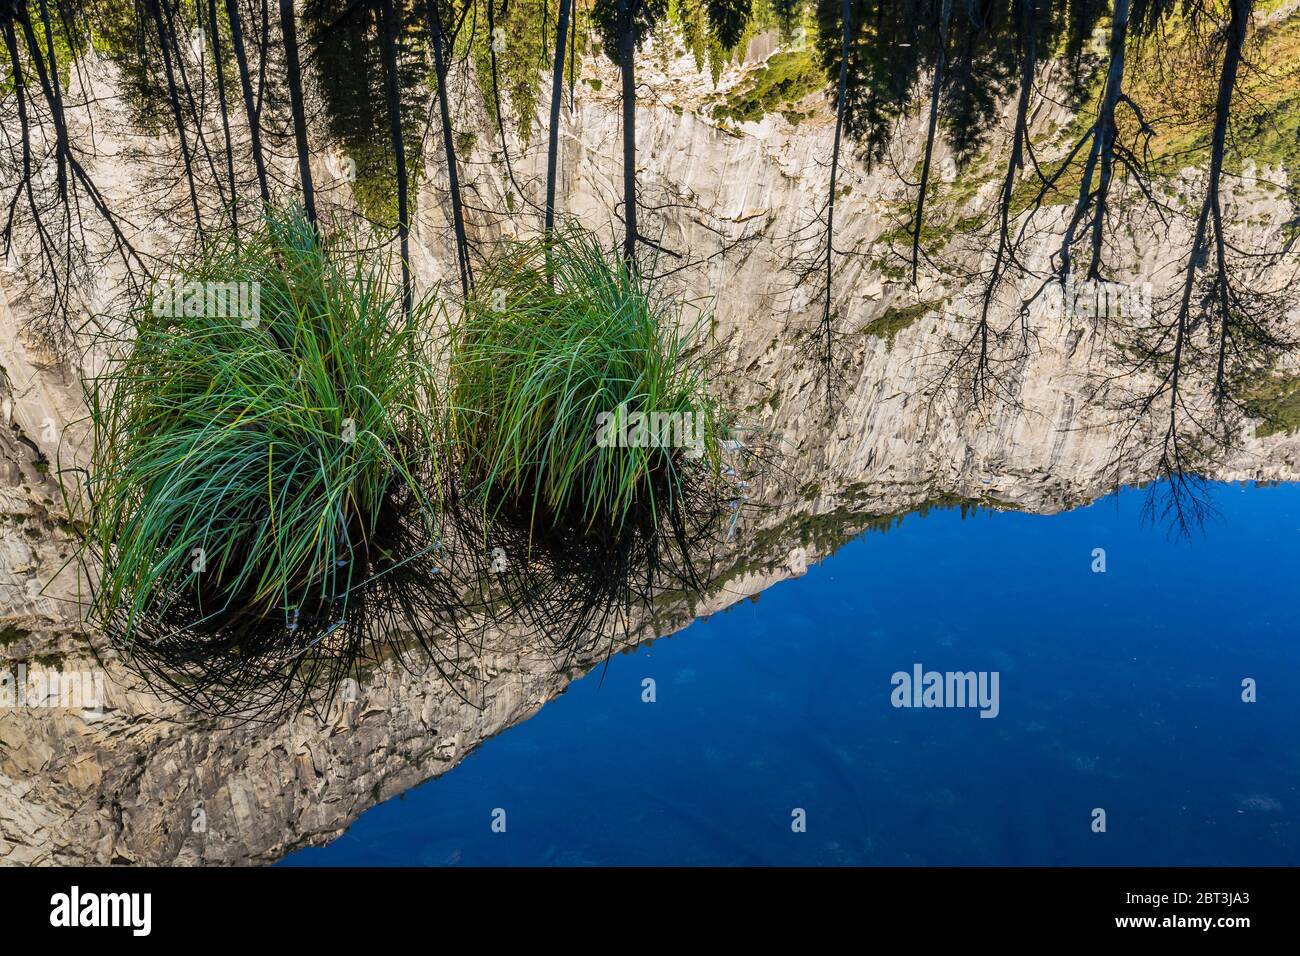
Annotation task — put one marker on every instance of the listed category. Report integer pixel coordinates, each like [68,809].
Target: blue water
[1119,690]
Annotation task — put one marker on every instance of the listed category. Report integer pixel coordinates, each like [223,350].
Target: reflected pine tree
[787,14]
[125,35]
[509,34]
[716,32]
[727,20]
[344,37]
[969,50]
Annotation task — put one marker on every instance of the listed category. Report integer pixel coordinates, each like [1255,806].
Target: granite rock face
[143,783]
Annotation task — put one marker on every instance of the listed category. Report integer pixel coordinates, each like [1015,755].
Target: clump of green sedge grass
[576,400]
[242,463]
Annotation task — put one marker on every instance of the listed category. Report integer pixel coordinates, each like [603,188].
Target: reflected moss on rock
[784,80]
[897,318]
[1275,401]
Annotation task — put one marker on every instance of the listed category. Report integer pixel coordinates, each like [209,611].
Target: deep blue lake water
[1119,691]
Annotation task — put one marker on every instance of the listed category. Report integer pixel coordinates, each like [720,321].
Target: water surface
[1119,690]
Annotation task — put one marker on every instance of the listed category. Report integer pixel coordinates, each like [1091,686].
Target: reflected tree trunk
[627,70]
[289,29]
[441,68]
[196,108]
[389,25]
[1235,40]
[173,98]
[557,95]
[936,87]
[1100,153]
[982,385]
[246,84]
[56,85]
[496,93]
[846,17]
[219,66]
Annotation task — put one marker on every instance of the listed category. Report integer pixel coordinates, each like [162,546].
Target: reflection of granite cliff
[125,787]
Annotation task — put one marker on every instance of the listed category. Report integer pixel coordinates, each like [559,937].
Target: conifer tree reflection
[350,73]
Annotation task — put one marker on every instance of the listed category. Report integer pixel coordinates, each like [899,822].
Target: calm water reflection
[1119,690]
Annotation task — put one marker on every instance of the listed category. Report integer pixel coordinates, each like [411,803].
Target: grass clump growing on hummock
[248,461]
[577,400]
